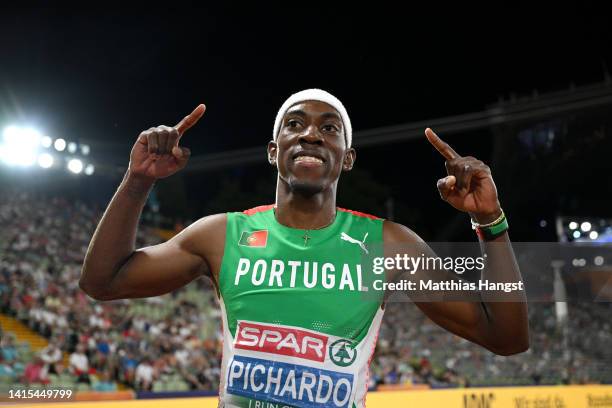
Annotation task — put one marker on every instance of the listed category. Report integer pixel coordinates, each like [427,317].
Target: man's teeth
[308,159]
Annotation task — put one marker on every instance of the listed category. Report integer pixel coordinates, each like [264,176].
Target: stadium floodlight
[576,234]
[85,149]
[19,157]
[45,160]
[19,145]
[75,166]
[599,260]
[585,226]
[10,132]
[31,135]
[46,141]
[573,225]
[60,145]
[72,147]
[89,169]
[593,234]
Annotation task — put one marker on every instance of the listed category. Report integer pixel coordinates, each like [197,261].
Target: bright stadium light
[11,134]
[75,166]
[72,147]
[60,145]
[85,149]
[585,226]
[576,234]
[599,260]
[573,225]
[89,169]
[45,160]
[32,136]
[46,141]
[20,157]
[593,234]
[19,145]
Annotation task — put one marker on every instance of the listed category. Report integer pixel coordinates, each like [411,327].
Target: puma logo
[352,240]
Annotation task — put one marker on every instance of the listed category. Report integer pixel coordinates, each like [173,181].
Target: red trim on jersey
[257,209]
[359,213]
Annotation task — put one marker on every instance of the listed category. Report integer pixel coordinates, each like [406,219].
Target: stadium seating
[42,245]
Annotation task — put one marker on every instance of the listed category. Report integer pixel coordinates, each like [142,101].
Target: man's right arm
[113,268]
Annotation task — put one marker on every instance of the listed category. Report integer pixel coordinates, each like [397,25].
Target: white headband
[315,95]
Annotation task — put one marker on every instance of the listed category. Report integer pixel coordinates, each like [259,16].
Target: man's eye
[330,128]
[292,123]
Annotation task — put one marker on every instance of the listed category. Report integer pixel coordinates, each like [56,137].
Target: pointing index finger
[440,145]
[188,121]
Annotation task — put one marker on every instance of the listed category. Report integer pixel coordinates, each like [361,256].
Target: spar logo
[342,353]
[290,384]
[284,340]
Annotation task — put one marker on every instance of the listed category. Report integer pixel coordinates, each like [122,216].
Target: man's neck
[305,212]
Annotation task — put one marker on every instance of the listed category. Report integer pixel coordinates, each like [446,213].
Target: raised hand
[469,186]
[157,154]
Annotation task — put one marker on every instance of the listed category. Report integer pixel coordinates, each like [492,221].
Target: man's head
[311,142]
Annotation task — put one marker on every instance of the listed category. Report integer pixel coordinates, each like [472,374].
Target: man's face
[310,150]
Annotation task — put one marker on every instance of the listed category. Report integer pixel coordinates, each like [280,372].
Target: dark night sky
[104,75]
[107,74]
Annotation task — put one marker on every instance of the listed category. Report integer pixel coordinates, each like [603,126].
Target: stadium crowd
[173,342]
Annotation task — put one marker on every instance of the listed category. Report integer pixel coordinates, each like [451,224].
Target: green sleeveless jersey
[297,331]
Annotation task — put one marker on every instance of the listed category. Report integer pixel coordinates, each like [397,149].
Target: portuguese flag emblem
[257,239]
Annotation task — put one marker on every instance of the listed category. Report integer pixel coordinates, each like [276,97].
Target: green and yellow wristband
[492,230]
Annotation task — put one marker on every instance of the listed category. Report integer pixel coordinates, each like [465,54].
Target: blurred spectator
[35,372]
[79,364]
[144,375]
[103,383]
[6,370]
[51,356]
[8,349]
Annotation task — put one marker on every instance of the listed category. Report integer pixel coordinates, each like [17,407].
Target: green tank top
[297,331]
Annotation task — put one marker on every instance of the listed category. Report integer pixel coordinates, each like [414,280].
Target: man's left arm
[500,325]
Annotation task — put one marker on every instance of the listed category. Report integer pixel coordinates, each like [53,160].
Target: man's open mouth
[308,158]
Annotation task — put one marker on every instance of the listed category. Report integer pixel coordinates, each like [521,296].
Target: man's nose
[311,135]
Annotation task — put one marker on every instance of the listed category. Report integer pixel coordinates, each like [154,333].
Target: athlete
[290,276]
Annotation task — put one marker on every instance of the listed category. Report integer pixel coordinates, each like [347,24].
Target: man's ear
[272,151]
[349,159]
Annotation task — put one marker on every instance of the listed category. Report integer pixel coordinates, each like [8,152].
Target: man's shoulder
[206,230]
[257,210]
[394,232]
[210,223]
[259,215]
[358,214]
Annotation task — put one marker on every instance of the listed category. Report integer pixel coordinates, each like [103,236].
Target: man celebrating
[297,331]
